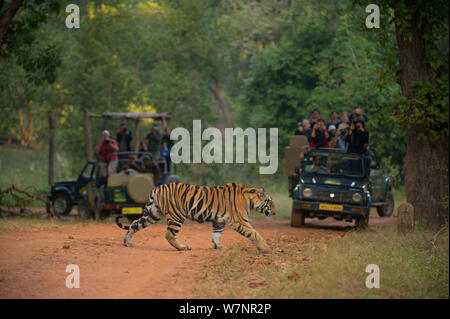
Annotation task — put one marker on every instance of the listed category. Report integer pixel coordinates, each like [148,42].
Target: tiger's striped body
[217,204]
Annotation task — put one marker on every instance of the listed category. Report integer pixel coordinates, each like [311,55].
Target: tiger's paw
[264,251]
[218,247]
[127,244]
[187,247]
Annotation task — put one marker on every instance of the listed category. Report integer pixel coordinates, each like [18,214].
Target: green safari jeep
[120,193]
[341,185]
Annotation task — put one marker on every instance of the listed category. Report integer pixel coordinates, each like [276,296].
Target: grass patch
[409,268]
[41,222]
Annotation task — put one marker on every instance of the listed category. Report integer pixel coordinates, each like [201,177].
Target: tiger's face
[264,204]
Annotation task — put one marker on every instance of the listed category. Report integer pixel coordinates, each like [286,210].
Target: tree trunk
[426,162]
[219,95]
[51,148]
[88,135]
[7,18]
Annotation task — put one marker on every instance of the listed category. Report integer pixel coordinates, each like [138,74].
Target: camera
[343,131]
[106,140]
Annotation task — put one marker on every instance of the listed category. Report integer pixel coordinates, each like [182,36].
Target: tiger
[217,204]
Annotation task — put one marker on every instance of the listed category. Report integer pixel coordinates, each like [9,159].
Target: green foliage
[40,61]
[277,60]
[328,66]
[426,108]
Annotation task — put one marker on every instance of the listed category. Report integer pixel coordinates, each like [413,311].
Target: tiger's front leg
[217,232]
[173,227]
[245,229]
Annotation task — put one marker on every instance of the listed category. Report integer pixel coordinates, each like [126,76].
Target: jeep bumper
[316,209]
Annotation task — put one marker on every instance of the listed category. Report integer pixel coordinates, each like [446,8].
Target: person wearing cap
[331,132]
[124,138]
[358,113]
[154,141]
[106,150]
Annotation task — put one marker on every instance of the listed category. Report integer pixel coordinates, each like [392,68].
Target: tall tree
[422,75]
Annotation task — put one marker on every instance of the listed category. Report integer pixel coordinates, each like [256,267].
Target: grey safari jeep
[334,183]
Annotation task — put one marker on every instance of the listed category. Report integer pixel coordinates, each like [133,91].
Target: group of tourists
[346,132]
[115,155]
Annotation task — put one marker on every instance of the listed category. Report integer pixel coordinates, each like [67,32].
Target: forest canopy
[265,63]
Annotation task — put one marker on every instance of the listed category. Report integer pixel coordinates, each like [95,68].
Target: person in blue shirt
[339,140]
[165,154]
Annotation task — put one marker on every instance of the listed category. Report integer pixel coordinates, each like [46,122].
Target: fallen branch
[48,205]
[435,237]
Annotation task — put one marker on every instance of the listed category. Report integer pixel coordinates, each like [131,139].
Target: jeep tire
[387,209]
[83,210]
[62,203]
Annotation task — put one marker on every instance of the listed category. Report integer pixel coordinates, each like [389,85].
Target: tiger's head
[262,202]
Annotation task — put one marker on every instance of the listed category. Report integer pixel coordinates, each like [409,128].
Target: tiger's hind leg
[217,232]
[149,217]
[173,228]
[245,229]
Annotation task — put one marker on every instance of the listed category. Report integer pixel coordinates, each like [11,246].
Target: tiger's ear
[261,192]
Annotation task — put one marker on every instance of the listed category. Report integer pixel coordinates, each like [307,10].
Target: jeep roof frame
[136,116]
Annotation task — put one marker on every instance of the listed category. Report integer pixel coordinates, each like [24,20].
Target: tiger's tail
[119,224]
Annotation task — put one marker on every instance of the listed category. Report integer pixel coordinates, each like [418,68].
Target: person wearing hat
[331,132]
[106,150]
[154,141]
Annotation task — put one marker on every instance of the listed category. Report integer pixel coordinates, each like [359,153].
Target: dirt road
[33,263]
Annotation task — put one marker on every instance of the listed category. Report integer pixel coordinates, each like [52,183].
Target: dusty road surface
[33,263]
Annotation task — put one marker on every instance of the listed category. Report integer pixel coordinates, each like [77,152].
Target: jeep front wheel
[297,218]
[62,203]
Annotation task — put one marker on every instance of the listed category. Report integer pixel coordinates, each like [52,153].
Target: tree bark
[219,95]
[426,161]
[8,17]
[51,149]
[88,135]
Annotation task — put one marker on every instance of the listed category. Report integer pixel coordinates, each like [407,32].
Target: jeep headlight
[356,197]
[307,192]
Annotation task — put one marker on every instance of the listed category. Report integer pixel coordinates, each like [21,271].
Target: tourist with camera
[124,138]
[358,139]
[106,151]
[319,135]
[339,140]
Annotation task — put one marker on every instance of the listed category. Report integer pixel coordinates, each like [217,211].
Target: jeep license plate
[132,210]
[337,208]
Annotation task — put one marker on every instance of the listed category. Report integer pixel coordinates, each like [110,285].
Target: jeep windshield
[333,163]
